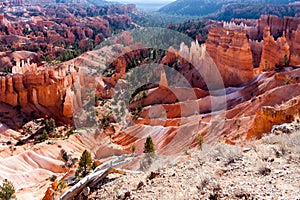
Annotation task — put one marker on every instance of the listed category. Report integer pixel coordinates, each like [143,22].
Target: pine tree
[85,164]
[149,146]
[44,136]
[7,190]
[50,125]
[149,153]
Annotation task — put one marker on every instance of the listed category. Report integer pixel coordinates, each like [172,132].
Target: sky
[146,5]
[143,1]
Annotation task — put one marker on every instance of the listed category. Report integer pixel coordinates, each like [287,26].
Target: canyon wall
[280,39]
[281,52]
[231,52]
[268,116]
[48,88]
[277,25]
[294,41]
[273,42]
[274,53]
[256,49]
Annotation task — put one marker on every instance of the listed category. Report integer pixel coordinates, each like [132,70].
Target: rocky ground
[264,169]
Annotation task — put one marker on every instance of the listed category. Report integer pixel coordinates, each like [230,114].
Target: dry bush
[220,152]
[265,152]
[292,142]
[280,150]
[263,168]
[204,181]
[252,144]
[207,181]
[293,139]
[205,152]
[271,139]
[283,144]
[227,153]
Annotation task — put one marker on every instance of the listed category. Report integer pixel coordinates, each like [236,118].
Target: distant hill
[86,2]
[219,9]
[252,11]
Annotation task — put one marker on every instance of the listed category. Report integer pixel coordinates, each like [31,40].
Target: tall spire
[163,78]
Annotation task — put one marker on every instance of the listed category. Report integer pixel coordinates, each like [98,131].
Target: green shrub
[44,136]
[50,125]
[61,185]
[65,156]
[287,80]
[285,61]
[200,141]
[266,65]
[94,165]
[7,190]
[70,132]
[53,178]
[105,121]
[133,148]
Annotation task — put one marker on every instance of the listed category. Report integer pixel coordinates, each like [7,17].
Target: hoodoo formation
[76,78]
[231,52]
[31,85]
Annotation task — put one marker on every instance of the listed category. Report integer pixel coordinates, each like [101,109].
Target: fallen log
[95,177]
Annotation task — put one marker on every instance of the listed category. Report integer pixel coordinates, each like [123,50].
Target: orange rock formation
[49,88]
[273,52]
[231,52]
